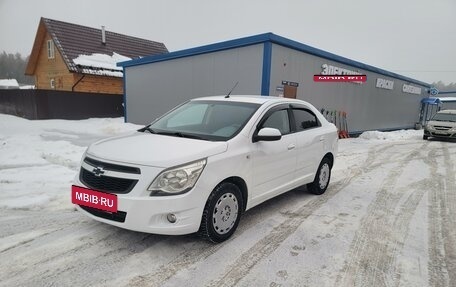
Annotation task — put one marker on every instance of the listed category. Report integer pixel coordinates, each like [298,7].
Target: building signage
[287,83]
[342,78]
[411,89]
[384,84]
[333,70]
[434,91]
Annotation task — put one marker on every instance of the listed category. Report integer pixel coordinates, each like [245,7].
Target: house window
[52,84]
[50,49]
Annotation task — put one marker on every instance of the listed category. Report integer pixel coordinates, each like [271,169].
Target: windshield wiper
[179,134]
[147,128]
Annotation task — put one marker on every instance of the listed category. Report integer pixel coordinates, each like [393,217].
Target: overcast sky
[416,38]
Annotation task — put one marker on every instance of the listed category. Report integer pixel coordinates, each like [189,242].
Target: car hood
[154,150]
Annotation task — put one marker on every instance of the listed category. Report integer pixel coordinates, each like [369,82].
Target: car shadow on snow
[442,139]
[277,206]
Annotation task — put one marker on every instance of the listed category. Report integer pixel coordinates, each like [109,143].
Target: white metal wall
[153,89]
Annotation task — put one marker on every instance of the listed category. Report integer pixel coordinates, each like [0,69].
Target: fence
[51,104]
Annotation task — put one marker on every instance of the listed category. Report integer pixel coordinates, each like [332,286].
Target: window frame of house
[50,49]
[52,83]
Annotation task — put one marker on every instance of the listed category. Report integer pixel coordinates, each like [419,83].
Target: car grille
[442,128]
[106,183]
[111,166]
[118,216]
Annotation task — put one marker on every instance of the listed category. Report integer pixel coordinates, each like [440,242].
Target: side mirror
[267,134]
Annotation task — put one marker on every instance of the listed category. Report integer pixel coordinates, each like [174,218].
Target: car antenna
[227,96]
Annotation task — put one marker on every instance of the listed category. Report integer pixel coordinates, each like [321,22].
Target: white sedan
[199,167]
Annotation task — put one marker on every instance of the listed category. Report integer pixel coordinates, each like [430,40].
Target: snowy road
[387,219]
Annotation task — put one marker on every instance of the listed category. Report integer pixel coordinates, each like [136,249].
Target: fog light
[171,218]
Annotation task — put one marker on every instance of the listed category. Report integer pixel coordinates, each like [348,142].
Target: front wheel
[321,181]
[425,137]
[222,213]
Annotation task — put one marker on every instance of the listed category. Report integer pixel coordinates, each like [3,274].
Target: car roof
[447,112]
[250,99]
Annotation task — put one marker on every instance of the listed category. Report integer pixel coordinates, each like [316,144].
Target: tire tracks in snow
[449,215]
[200,250]
[375,246]
[99,254]
[442,233]
[266,246]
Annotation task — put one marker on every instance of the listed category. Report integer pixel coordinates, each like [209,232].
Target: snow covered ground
[387,219]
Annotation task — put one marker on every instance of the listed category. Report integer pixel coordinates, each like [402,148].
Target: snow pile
[39,159]
[9,83]
[101,64]
[392,136]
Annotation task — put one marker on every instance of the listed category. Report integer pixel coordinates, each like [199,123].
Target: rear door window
[305,119]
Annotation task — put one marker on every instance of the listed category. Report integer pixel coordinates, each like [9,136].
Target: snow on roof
[101,64]
[9,83]
[27,87]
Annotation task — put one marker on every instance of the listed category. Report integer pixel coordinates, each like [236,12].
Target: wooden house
[71,57]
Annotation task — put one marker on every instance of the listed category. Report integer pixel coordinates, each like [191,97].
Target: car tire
[425,137]
[322,178]
[222,213]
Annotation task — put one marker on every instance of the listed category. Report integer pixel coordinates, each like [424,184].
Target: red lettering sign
[340,78]
[93,198]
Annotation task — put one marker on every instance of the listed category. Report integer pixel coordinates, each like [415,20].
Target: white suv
[441,125]
[201,165]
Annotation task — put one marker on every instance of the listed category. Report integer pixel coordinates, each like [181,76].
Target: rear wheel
[321,181]
[222,213]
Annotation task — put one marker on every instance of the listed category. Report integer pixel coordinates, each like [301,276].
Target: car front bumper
[440,133]
[149,213]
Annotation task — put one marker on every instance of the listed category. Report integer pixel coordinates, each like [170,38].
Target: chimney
[103,35]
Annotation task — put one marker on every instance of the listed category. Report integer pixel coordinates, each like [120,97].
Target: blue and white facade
[270,65]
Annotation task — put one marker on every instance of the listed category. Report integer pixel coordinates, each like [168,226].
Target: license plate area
[93,198]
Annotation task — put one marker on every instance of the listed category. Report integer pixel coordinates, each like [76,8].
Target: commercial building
[270,65]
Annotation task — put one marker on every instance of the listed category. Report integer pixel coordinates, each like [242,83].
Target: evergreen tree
[12,66]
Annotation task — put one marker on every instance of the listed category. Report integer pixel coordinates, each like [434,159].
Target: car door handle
[290,147]
[322,138]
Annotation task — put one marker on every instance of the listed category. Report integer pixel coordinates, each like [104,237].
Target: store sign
[333,70]
[434,91]
[288,83]
[411,89]
[343,78]
[338,74]
[384,84]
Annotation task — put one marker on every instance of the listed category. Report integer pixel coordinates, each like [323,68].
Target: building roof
[447,92]
[73,40]
[267,38]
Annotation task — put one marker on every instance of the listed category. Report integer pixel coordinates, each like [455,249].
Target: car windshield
[444,117]
[206,120]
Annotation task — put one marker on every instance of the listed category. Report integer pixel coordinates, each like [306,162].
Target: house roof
[266,38]
[73,40]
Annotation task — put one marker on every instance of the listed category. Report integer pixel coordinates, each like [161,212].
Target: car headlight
[177,180]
